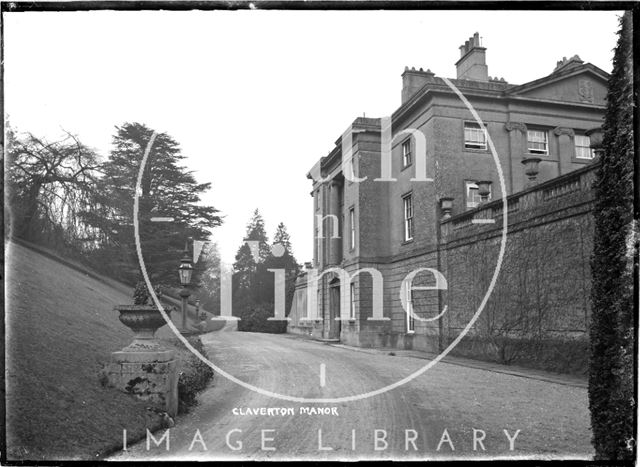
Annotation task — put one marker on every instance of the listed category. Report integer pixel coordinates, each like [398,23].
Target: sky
[254,97]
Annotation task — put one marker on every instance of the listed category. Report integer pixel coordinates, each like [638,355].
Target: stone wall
[538,312]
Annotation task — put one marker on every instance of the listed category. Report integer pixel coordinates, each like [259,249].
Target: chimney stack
[472,64]
[413,80]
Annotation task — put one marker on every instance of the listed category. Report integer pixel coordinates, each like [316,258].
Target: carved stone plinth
[150,376]
[144,368]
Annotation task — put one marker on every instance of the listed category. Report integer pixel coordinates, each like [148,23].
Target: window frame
[407,157]
[536,151]
[410,321]
[352,228]
[407,221]
[470,144]
[352,301]
[588,147]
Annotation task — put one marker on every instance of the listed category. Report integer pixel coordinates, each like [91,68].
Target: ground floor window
[411,322]
[407,206]
[352,301]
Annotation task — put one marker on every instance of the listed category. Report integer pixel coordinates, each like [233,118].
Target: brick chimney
[567,63]
[472,64]
[413,80]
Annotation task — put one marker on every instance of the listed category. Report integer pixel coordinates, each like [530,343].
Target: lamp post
[185,271]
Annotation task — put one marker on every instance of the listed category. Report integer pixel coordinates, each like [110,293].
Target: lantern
[185,270]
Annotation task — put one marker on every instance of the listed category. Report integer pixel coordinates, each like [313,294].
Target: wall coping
[498,203]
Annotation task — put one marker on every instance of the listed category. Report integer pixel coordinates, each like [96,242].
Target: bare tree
[50,185]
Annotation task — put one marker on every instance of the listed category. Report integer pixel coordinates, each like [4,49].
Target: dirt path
[409,421]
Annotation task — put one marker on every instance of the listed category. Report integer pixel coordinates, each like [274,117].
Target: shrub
[194,377]
[255,319]
[561,355]
[141,294]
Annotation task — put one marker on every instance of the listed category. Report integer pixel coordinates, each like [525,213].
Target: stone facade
[364,223]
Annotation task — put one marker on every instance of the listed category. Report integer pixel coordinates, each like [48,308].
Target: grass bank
[60,330]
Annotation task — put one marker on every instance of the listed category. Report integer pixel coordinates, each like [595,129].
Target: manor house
[447,214]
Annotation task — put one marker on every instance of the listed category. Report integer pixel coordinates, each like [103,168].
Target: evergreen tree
[253,283]
[167,189]
[282,237]
[209,293]
[247,277]
[286,261]
[256,231]
[611,368]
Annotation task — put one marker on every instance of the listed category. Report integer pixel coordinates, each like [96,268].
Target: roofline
[507,94]
[553,77]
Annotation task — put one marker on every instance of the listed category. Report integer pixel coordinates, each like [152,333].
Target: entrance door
[334,311]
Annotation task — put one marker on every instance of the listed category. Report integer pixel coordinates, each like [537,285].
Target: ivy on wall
[611,368]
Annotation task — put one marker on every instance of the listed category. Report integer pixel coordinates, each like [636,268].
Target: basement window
[537,142]
[475,137]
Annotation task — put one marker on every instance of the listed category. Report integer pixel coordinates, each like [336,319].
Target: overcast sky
[256,97]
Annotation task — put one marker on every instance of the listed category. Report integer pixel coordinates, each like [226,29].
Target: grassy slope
[60,329]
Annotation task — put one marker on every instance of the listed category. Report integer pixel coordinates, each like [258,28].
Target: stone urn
[596,136]
[484,190]
[531,169]
[446,205]
[144,321]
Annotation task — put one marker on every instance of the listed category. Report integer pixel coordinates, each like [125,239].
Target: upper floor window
[537,142]
[407,205]
[317,199]
[583,147]
[471,194]
[475,137]
[352,228]
[406,153]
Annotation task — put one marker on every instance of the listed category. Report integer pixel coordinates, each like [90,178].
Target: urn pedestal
[144,368]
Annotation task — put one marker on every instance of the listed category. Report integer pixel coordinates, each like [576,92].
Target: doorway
[334,309]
